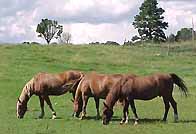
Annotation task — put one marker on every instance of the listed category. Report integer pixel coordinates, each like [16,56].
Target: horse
[44,85]
[97,86]
[144,88]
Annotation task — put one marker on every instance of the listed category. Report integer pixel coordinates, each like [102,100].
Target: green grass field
[18,63]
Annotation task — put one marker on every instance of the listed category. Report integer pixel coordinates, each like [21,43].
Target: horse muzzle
[19,117]
[105,122]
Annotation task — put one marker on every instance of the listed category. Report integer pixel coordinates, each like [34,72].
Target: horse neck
[111,99]
[24,97]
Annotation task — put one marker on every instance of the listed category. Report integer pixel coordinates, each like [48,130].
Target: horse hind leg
[47,99]
[167,106]
[174,105]
[42,107]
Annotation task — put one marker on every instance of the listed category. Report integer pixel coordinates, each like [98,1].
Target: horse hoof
[136,123]
[121,123]
[40,116]
[175,118]
[54,117]
[126,122]
[98,117]
[81,118]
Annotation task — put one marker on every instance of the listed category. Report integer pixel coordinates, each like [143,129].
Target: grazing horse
[144,88]
[97,86]
[44,85]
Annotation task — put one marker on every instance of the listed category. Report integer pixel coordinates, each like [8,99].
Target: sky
[88,20]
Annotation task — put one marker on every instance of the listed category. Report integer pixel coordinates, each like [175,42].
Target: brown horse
[97,86]
[44,85]
[144,88]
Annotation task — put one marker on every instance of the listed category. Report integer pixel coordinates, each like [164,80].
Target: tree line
[149,23]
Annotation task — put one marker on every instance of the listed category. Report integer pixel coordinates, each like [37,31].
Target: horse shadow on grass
[95,118]
[142,121]
[187,121]
[154,120]
[48,118]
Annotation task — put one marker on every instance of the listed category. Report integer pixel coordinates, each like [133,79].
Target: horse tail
[78,92]
[76,85]
[78,103]
[180,82]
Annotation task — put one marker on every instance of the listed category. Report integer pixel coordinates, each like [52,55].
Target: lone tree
[49,29]
[65,38]
[150,22]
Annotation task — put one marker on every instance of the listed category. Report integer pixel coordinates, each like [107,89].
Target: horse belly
[100,94]
[145,95]
[55,91]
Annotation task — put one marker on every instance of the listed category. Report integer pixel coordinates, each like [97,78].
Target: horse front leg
[85,101]
[47,99]
[42,107]
[125,117]
[134,111]
[97,107]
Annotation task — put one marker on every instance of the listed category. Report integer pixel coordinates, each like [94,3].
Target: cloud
[179,14]
[20,20]
[92,20]
[90,11]
[86,32]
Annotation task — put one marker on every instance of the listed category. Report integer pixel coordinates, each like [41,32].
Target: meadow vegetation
[18,63]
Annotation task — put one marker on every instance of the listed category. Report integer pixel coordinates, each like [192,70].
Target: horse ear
[19,100]
[105,105]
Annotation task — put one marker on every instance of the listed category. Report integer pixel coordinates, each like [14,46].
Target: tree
[149,22]
[135,38]
[171,38]
[49,29]
[184,34]
[128,43]
[65,38]
[111,43]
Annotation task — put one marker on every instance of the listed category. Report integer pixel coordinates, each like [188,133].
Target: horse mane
[27,91]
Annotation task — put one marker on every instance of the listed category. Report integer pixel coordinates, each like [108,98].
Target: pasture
[18,64]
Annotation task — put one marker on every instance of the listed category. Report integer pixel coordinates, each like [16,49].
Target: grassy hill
[18,63]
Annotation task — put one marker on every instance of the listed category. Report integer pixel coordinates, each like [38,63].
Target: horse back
[148,87]
[54,84]
[99,85]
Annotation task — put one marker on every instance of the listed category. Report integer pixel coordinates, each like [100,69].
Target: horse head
[21,108]
[77,104]
[107,114]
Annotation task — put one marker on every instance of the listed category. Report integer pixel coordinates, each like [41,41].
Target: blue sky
[87,21]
